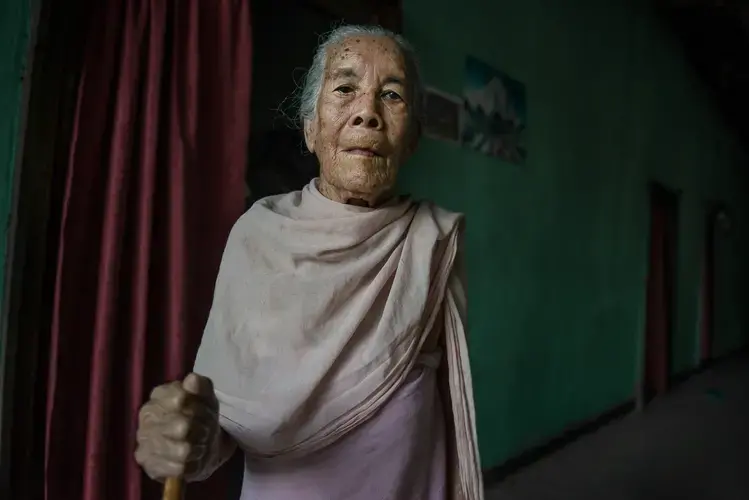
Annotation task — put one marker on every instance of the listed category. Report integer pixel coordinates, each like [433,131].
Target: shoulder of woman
[447,220]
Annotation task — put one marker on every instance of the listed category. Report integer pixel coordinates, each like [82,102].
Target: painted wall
[557,249]
[15,29]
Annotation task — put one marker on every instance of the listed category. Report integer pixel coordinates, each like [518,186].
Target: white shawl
[320,312]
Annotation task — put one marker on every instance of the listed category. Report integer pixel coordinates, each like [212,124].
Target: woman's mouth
[368,153]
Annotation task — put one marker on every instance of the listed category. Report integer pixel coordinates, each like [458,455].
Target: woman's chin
[366,179]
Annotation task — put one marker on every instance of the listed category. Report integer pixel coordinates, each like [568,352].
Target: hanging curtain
[154,181]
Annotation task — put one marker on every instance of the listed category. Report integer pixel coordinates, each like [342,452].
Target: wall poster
[494,113]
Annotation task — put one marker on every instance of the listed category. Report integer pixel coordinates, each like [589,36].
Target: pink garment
[397,455]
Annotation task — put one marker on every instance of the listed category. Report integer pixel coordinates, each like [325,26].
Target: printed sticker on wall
[494,113]
[442,114]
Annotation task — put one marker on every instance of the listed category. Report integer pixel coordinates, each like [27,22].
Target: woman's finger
[156,465]
[180,427]
[199,386]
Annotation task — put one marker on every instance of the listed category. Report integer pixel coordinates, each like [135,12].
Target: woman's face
[363,129]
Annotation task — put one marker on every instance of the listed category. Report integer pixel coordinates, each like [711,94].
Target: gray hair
[309,92]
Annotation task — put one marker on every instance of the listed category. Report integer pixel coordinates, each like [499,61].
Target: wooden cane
[173,489]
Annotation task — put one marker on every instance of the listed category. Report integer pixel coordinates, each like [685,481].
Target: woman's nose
[367,116]
[368,120]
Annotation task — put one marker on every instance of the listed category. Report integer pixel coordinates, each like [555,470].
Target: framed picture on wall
[442,115]
[494,118]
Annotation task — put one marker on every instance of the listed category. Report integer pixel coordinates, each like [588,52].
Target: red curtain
[155,180]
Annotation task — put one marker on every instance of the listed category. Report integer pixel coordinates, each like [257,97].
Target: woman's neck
[346,197]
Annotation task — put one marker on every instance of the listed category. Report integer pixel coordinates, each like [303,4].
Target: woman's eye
[391,95]
[344,89]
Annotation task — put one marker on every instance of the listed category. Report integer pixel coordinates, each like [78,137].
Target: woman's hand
[178,431]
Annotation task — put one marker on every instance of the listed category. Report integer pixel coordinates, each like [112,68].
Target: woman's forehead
[365,50]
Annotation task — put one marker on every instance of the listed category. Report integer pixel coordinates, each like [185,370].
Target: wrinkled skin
[364,129]
[178,430]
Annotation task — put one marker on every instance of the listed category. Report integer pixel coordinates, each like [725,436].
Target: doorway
[661,290]
[707,292]
[715,214]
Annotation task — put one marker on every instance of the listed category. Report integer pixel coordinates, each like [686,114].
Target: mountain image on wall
[494,113]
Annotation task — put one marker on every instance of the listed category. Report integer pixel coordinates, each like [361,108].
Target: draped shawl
[321,310]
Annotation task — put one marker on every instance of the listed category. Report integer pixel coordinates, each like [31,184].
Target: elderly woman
[334,355]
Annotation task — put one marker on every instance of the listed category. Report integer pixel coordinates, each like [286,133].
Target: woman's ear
[310,132]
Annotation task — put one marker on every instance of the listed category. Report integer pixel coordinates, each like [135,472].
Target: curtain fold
[155,180]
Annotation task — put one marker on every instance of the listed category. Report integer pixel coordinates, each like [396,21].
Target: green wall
[557,249]
[15,29]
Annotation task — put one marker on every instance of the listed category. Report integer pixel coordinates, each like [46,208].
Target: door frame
[53,82]
[50,91]
[712,212]
[8,337]
[651,384]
